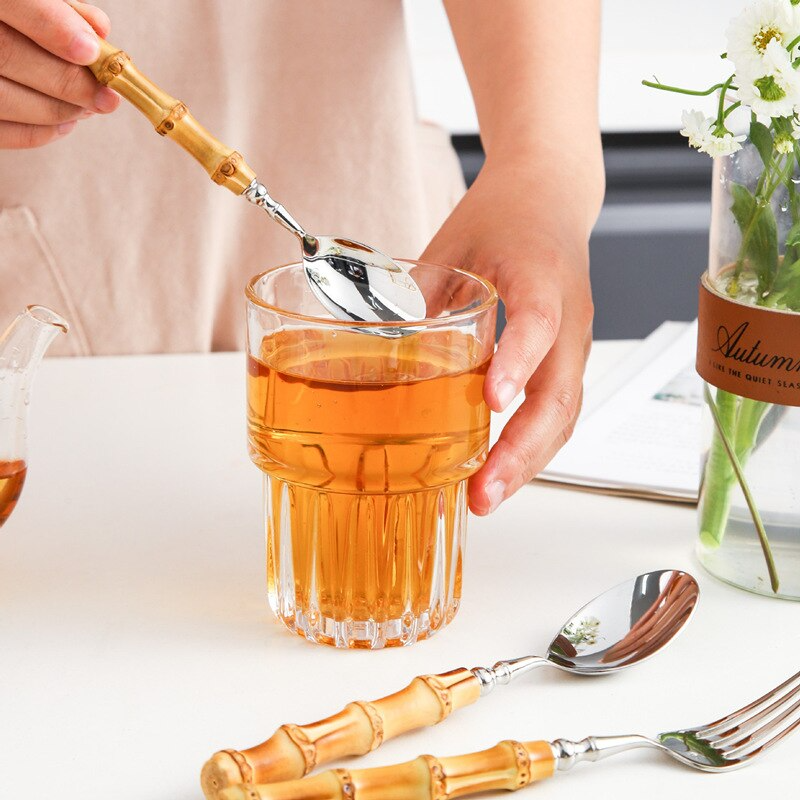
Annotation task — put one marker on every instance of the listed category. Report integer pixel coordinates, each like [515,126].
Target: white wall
[677,40]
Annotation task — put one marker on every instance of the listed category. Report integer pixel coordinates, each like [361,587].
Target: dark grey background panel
[650,244]
[638,281]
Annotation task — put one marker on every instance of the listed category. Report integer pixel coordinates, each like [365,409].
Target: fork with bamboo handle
[726,744]
[645,613]
[508,765]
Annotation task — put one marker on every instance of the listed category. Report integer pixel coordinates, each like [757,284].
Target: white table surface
[135,638]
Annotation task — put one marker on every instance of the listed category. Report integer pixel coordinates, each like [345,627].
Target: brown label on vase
[750,351]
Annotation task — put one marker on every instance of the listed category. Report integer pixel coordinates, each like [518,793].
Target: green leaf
[694,744]
[792,250]
[759,235]
[785,293]
[793,237]
[762,139]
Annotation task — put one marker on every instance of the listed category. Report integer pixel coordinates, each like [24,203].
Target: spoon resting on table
[353,281]
[619,628]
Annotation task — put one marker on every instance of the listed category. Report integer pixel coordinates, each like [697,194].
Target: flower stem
[732,107]
[737,469]
[664,87]
[721,107]
[718,476]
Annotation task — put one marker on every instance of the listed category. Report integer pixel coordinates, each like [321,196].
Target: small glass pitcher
[22,346]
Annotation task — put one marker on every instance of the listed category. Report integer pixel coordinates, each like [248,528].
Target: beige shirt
[124,234]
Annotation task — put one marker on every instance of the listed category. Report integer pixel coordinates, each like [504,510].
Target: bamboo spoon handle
[508,765]
[171,118]
[294,750]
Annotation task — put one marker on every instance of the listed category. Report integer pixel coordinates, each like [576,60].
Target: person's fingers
[533,322]
[538,429]
[55,26]
[24,62]
[21,104]
[19,136]
[95,16]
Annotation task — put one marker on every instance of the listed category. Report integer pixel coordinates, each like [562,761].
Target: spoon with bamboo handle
[621,627]
[355,282]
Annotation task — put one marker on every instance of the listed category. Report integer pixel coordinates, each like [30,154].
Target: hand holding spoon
[353,281]
[621,627]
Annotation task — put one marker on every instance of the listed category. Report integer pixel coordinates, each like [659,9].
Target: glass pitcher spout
[22,347]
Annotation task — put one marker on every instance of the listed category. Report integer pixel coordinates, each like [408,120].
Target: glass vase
[749,355]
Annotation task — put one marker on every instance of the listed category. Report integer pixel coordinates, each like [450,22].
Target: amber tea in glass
[22,345]
[366,437]
[12,477]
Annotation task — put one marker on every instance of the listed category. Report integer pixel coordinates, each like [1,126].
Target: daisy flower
[775,91]
[696,127]
[722,145]
[784,143]
[751,32]
[703,134]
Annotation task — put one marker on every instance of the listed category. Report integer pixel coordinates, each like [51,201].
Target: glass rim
[484,305]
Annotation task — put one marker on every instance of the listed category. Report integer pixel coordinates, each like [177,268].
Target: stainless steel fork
[726,744]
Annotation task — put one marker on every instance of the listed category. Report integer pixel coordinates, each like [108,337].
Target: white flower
[775,91]
[795,128]
[723,145]
[696,127]
[699,129]
[761,23]
[784,143]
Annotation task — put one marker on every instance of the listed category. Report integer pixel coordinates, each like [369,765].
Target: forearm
[532,66]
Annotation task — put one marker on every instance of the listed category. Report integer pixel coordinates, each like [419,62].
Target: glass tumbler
[366,434]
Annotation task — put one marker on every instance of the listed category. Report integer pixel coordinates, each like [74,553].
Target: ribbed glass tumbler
[366,435]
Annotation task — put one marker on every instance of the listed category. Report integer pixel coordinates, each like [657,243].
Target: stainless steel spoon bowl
[353,281]
[619,628]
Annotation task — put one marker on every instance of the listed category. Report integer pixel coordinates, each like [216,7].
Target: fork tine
[731,721]
[755,746]
[771,715]
[749,736]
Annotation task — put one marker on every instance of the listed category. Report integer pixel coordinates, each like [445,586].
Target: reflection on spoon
[619,628]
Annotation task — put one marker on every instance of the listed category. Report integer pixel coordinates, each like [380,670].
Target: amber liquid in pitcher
[367,443]
[12,477]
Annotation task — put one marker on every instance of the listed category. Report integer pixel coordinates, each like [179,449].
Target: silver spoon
[354,281]
[621,627]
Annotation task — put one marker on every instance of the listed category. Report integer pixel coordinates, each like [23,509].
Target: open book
[639,431]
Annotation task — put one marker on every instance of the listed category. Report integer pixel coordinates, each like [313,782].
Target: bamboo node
[112,67]
[443,694]
[243,764]
[346,782]
[438,778]
[523,763]
[177,112]
[306,747]
[375,722]
[227,168]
